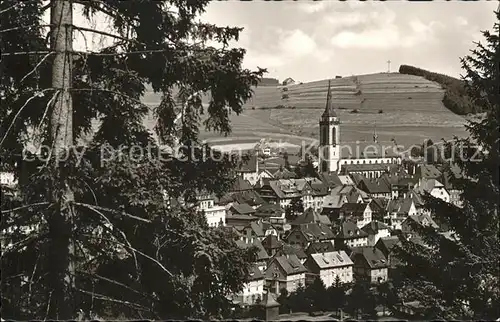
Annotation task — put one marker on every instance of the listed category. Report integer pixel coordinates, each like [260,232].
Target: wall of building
[329,276]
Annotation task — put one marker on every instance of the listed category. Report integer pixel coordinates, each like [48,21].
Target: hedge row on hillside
[265,81]
[455,97]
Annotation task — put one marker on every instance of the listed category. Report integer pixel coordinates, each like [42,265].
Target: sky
[309,40]
[315,40]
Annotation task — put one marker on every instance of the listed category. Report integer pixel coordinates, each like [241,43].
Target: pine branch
[111,92]
[106,9]
[37,94]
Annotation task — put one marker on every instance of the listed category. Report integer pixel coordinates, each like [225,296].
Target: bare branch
[48,305]
[31,279]
[93,208]
[91,191]
[107,34]
[22,243]
[112,282]
[10,8]
[116,212]
[19,53]
[37,94]
[24,27]
[106,298]
[139,252]
[37,65]
[54,97]
[24,207]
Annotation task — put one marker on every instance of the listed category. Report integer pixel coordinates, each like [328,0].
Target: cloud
[297,44]
[370,39]
[314,7]
[379,30]
[461,21]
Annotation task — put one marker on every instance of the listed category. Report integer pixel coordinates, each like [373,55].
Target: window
[324,134]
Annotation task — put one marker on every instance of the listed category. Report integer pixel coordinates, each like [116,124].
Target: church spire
[329,110]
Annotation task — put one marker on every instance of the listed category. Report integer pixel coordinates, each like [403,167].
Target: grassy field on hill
[455,96]
[405,107]
[374,92]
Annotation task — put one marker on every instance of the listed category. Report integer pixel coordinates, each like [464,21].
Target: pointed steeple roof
[329,109]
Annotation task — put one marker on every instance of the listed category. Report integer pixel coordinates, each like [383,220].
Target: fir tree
[105,241]
[457,277]
[361,302]
[336,294]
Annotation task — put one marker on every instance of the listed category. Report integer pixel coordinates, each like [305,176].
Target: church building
[370,159]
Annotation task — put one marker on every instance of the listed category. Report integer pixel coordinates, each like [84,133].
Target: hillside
[455,96]
[412,110]
[365,93]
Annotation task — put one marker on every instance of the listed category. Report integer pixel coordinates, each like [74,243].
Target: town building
[262,256]
[287,250]
[376,188]
[398,210]
[249,169]
[360,213]
[215,214]
[423,220]
[370,262]
[311,216]
[253,290]
[349,235]
[272,244]
[285,272]
[330,266]
[336,156]
[320,247]
[282,191]
[376,230]
[434,188]
[305,234]
[386,246]
[272,212]
[240,215]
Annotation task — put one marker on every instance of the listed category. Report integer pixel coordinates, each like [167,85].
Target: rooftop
[331,259]
[373,256]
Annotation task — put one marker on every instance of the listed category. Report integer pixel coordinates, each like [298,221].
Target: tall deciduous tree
[92,232]
[457,277]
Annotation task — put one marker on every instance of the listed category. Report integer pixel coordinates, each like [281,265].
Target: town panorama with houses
[351,214]
[334,229]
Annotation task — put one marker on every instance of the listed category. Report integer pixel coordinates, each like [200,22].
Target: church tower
[329,134]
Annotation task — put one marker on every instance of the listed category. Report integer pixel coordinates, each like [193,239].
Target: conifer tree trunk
[61,302]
